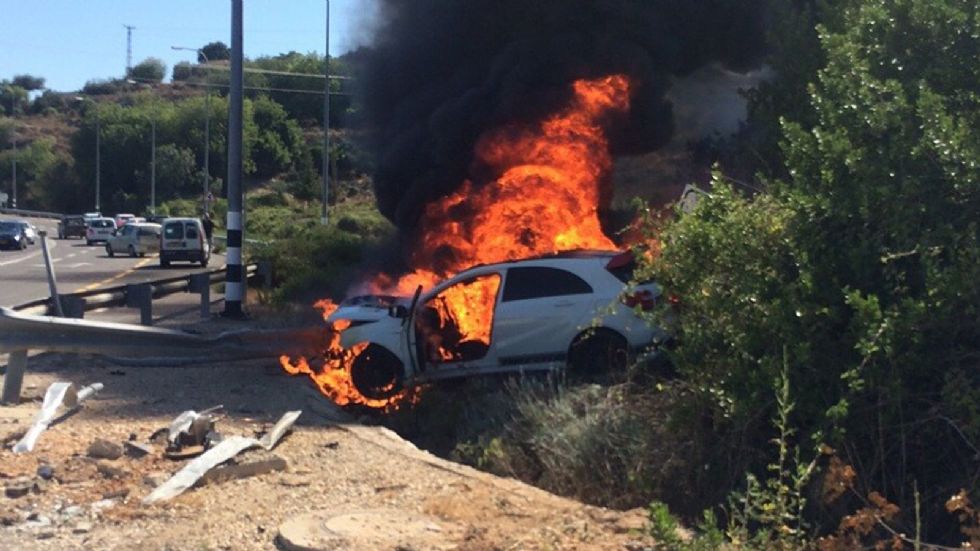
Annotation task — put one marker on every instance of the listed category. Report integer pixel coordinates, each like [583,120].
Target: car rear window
[102,224]
[173,231]
[539,281]
[191,231]
[144,232]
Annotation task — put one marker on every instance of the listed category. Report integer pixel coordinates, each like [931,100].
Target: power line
[273,72]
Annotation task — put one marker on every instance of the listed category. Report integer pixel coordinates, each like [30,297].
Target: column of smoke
[442,72]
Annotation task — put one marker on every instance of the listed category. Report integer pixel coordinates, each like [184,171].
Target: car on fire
[573,309]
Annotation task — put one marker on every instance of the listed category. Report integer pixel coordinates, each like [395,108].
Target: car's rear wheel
[108,250]
[164,263]
[377,373]
[597,351]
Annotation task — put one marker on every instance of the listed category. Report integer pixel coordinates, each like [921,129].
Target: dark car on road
[12,235]
[71,226]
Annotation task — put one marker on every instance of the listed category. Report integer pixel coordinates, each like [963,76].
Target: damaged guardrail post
[52,280]
[73,306]
[140,295]
[12,381]
[201,284]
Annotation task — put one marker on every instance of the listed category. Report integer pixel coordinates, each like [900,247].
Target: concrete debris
[19,487]
[225,450]
[82,528]
[110,469]
[191,428]
[58,394]
[136,450]
[101,448]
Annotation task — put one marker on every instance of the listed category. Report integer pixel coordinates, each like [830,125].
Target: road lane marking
[28,256]
[118,276]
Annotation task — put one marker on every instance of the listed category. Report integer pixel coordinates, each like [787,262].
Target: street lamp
[326,119]
[98,156]
[207,123]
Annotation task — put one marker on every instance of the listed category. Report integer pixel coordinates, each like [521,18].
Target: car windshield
[8,227]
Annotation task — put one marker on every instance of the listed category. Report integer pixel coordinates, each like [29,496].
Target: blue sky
[71,41]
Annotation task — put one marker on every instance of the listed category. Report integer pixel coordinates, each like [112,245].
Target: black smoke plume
[442,72]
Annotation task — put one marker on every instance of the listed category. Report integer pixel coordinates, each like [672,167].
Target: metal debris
[58,394]
[225,450]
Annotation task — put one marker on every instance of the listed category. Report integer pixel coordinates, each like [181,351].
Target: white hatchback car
[570,309]
[98,229]
[134,239]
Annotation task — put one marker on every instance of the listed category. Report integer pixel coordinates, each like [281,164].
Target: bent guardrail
[31,213]
[20,333]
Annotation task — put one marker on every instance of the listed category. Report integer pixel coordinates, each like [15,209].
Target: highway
[78,267]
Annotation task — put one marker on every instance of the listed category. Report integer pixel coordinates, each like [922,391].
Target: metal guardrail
[32,213]
[76,304]
[20,333]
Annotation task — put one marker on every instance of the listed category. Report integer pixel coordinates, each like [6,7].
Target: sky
[69,42]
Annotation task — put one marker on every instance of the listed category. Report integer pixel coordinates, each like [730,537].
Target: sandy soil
[372,489]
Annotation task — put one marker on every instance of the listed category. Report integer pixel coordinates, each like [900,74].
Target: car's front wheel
[597,351]
[377,373]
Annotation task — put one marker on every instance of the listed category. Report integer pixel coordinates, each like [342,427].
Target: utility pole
[13,163]
[153,166]
[234,290]
[326,121]
[129,48]
[98,161]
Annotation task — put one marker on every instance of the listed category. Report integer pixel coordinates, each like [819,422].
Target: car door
[541,310]
[453,327]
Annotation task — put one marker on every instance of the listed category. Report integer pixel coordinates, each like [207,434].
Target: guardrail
[32,213]
[139,295]
[20,333]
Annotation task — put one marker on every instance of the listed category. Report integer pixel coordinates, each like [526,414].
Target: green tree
[858,270]
[214,51]
[150,69]
[29,82]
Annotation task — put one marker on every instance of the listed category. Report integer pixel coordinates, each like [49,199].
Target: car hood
[367,308]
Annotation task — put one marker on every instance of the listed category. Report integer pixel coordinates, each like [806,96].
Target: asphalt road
[78,267]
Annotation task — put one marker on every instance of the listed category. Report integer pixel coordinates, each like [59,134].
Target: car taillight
[643,298]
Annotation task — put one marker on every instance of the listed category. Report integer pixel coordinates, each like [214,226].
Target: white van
[183,239]
[134,240]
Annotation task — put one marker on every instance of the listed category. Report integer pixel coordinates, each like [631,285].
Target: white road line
[28,256]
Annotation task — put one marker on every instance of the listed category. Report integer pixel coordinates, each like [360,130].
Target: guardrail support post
[73,306]
[201,283]
[140,295]
[14,378]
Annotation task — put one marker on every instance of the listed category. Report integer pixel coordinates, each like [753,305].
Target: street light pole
[326,120]
[207,125]
[13,163]
[98,161]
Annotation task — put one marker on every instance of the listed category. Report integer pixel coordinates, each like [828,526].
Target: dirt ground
[370,488]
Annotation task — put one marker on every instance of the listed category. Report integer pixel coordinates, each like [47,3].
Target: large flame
[550,183]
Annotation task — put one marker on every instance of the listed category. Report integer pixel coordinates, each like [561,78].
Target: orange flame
[551,180]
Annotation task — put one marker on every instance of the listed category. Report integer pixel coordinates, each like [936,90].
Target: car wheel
[598,350]
[23,244]
[204,262]
[108,250]
[88,243]
[377,373]
[132,251]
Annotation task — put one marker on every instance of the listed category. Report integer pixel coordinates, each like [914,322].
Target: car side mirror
[398,311]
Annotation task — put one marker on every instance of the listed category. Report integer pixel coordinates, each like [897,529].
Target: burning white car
[570,309]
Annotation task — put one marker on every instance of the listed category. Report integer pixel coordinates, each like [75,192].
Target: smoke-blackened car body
[572,309]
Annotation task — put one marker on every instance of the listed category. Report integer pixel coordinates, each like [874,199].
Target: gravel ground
[336,465]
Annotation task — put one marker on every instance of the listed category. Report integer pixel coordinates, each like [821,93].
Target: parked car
[30,231]
[566,310]
[122,219]
[183,239]
[99,229]
[134,239]
[71,226]
[12,235]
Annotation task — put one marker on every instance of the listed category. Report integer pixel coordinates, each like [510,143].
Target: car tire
[377,373]
[108,250]
[599,350]
[164,263]
[88,243]
[23,244]
[132,251]
[204,262]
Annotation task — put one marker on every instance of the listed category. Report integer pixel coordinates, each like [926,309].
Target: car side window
[539,282]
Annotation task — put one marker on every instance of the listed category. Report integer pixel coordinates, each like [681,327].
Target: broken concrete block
[104,449]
